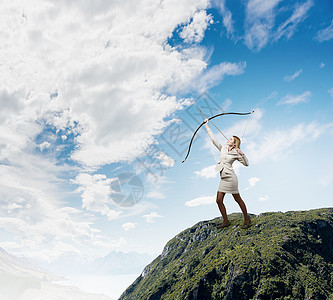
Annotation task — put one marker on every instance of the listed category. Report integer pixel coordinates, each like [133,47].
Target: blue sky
[91,92]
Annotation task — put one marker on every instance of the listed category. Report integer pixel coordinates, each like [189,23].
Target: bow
[210,118]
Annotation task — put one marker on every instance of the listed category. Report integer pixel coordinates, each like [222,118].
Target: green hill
[281,256]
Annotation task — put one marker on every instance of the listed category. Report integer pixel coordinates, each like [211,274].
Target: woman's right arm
[212,136]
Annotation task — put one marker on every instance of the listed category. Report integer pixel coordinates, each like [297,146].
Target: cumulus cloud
[290,78]
[128,226]
[275,144]
[252,182]
[325,34]
[208,172]
[108,78]
[95,191]
[263,198]
[112,197]
[201,201]
[99,92]
[295,99]
[44,145]
[151,218]
[194,32]
[34,213]
[165,159]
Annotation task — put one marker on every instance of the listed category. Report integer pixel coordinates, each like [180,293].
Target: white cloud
[228,23]
[263,198]
[165,159]
[215,74]
[95,192]
[261,8]
[252,182]
[44,145]
[113,197]
[226,104]
[151,217]
[128,226]
[322,65]
[155,194]
[293,100]
[194,31]
[246,125]
[273,95]
[289,27]
[154,185]
[33,211]
[201,201]
[325,34]
[293,76]
[275,144]
[208,172]
[260,22]
[260,17]
[330,91]
[98,85]
[108,75]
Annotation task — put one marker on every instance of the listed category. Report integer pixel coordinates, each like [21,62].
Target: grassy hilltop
[282,256]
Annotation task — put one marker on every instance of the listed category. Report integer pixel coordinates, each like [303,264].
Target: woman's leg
[219,201]
[242,205]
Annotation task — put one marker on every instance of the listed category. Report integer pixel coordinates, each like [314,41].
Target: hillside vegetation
[281,256]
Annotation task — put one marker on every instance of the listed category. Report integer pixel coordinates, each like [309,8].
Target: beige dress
[229,181]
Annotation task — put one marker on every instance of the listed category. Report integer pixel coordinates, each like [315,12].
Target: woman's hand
[206,123]
[239,151]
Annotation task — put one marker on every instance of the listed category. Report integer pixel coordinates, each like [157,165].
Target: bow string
[210,118]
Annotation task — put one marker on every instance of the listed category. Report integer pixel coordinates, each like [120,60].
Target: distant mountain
[16,275]
[21,266]
[116,262]
[22,279]
[68,263]
[121,263]
[281,256]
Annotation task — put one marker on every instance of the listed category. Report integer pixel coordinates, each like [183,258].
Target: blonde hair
[237,141]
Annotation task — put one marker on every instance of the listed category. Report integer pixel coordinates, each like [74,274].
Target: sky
[99,103]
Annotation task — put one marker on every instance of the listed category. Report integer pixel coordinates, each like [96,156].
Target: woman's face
[231,142]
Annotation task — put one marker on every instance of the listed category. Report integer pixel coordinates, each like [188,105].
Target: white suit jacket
[226,158]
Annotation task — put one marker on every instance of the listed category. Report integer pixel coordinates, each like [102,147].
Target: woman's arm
[242,158]
[212,136]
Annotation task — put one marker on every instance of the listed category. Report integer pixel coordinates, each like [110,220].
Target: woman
[229,181]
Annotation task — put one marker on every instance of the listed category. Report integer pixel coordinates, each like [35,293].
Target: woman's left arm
[242,157]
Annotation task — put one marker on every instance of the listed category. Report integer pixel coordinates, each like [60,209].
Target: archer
[229,181]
